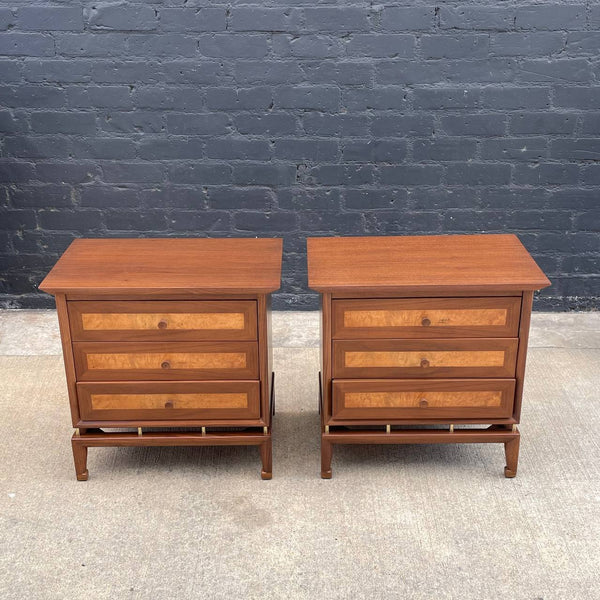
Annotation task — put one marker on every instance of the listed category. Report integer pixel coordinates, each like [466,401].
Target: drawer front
[164,401]
[163,320]
[104,361]
[477,357]
[422,399]
[426,317]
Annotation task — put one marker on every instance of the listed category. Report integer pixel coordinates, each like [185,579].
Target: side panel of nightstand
[526,306]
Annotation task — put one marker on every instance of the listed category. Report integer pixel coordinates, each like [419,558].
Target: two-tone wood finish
[423,330]
[167,333]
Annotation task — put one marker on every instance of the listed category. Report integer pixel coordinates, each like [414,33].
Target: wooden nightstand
[167,333]
[424,330]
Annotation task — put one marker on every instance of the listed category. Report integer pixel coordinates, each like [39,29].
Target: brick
[527,44]
[128,220]
[390,151]
[131,71]
[123,17]
[428,99]
[32,96]
[581,264]
[63,122]
[347,125]
[238,148]
[340,73]
[409,71]
[10,71]
[411,175]
[111,148]
[17,219]
[40,196]
[407,18]
[572,199]
[265,221]
[264,19]
[515,98]
[327,221]
[194,221]
[15,171]
[382,45]
[577,70]
[375,199]
[478,174]
[444,149]
[575,149]
[70,220]
[169,97]
[57,71]
[584,42]
[26,44]
[195,71]
[337,19]
[590,123]
[271,174]
[191,19]
[50,18]
[546,174]
[540,219]
[402,125]
[317,150]
[551,16]
[101,197]
[577,97]
[200,173]
[251,71]
[166,44]
[137,121]
[36,147]
[132,172]
[7,18]
[307,46]
[227,98]
[481,125]
[443,198]
[266,123]
[394,222]
[308,198]
[105,96]
[494,70]
[198,124]
[13,122]
[516,149]
[91,44]
[170,149]
[543,123]
[379,98]
[455,46]
[233,46]
[253,198]
[477,17]
[67,172]
[343,175]
[469,221]
[325,98]
[590,175]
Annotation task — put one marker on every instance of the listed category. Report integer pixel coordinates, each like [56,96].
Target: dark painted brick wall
[300,117]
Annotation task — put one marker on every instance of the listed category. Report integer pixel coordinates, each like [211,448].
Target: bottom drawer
[422,399]
[165,401]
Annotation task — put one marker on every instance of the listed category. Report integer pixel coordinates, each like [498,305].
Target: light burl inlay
[453,358]
[158,401]
[412,399]
[143,321]
[437,318]
[176,360]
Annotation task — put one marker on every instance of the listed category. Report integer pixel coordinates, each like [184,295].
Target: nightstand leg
[80,453]
[326,452]
[266,456]
[511,449]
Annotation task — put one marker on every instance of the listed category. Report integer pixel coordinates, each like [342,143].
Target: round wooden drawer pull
[169,404]
[423,403]
[425,322]
[424,362]
[162,324]
[165,365]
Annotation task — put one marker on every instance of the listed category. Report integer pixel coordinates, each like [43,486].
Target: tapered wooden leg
[80,453]
[266,456]
[511,449]
[326,452]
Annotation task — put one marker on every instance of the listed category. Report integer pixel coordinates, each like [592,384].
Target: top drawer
[426,317]
[163,320]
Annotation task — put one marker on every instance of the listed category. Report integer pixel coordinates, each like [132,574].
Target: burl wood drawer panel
[426,317]
[123,361]
[422,399]
[163,320]
[163,401]
[477,357]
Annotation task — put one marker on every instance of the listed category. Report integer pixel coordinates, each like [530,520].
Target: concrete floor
[415,522]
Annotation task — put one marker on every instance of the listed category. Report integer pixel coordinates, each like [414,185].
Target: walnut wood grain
[474,357]
[422,399]
[431,264]
[169,400]
[103,361]
[163,320]
[167,266]
[426,317]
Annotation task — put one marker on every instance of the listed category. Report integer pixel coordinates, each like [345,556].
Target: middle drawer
[478,357]
[107,361]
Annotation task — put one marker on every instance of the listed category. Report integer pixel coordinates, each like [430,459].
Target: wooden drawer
[477,357]
[426,317]
[421,399]
[164,401]
[163,320]
[104,361]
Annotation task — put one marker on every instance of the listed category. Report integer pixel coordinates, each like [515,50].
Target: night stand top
[416,264]
[173,265]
